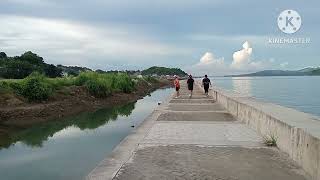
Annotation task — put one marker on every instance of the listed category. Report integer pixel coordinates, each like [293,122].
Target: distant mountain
[310,71]
[307,69]
[163,71]
[315,72]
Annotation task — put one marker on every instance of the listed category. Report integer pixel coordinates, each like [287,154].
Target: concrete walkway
[195,139]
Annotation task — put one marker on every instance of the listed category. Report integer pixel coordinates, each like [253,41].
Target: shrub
[7,86]
[102,85]
[4,87]
[35,88]
[83,78]
[58,83]
[99,87]
[124,83]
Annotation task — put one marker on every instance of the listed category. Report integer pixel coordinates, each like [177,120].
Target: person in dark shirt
[206,83]
[190,85]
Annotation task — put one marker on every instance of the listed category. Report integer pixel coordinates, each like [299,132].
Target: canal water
[71,148]
[298,92]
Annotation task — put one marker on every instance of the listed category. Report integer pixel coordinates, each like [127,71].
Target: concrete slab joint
[298,133]
[215,137]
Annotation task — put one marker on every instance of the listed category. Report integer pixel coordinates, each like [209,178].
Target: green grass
[102,85]
[37,87]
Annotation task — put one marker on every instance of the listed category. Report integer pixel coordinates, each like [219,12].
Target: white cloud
[241,58]
[241,63]
[209,59]
[208,64]
[272,60]
[32,2]
[72,43]
[284,64]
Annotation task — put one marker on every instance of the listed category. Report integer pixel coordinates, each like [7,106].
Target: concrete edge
[298,133]
[108,168]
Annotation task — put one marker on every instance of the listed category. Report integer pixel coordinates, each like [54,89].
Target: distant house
[137,73]
[65,74]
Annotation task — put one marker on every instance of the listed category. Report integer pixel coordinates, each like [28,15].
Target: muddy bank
[16,113]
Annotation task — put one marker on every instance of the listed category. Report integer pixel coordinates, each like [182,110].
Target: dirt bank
[16,112]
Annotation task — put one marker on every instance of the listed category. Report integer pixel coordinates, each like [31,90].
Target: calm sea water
[299,92]
[71,148]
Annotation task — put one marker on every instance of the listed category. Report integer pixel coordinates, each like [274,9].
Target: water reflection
[38,134]
[71,148]
[242,85]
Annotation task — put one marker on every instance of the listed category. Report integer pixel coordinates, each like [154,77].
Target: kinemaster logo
[289,21]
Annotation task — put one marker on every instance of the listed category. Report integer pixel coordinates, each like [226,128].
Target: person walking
[176,84]
[206,82]
[190,82]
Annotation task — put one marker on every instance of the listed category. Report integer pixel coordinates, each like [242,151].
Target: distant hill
[315,72]
[308,69]
[163,71]
[303,72]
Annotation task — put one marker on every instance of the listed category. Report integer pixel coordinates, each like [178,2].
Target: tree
[14,69]
[100,71]
[52,71]
[3,55]
[163,71]
[32,58]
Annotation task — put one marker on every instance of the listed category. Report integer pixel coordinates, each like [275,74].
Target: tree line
[163,71]
[19,67]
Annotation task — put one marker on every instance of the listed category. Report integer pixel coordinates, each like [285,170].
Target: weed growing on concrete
[270,140]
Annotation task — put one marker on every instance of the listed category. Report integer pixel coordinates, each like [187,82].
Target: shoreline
[65,105]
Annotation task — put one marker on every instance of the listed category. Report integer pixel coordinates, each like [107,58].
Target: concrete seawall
[197,138]
[298,133]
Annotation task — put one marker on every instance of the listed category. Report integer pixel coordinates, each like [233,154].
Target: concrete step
[186,96]
[195,107]
[195,116]
[190,162]
[204,133]
[190,101]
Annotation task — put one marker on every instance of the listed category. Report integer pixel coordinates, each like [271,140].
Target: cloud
[73,43]
[241,58]
[209,59]
[208,64]
[242,62]
[284,64]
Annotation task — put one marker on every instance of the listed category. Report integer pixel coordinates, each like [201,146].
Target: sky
[214,37]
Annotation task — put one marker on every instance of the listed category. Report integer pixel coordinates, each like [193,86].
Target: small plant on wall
[270,140]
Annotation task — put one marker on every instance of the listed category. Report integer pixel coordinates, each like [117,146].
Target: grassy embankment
[36,87]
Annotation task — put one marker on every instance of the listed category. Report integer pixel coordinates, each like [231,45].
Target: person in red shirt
[176,84]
